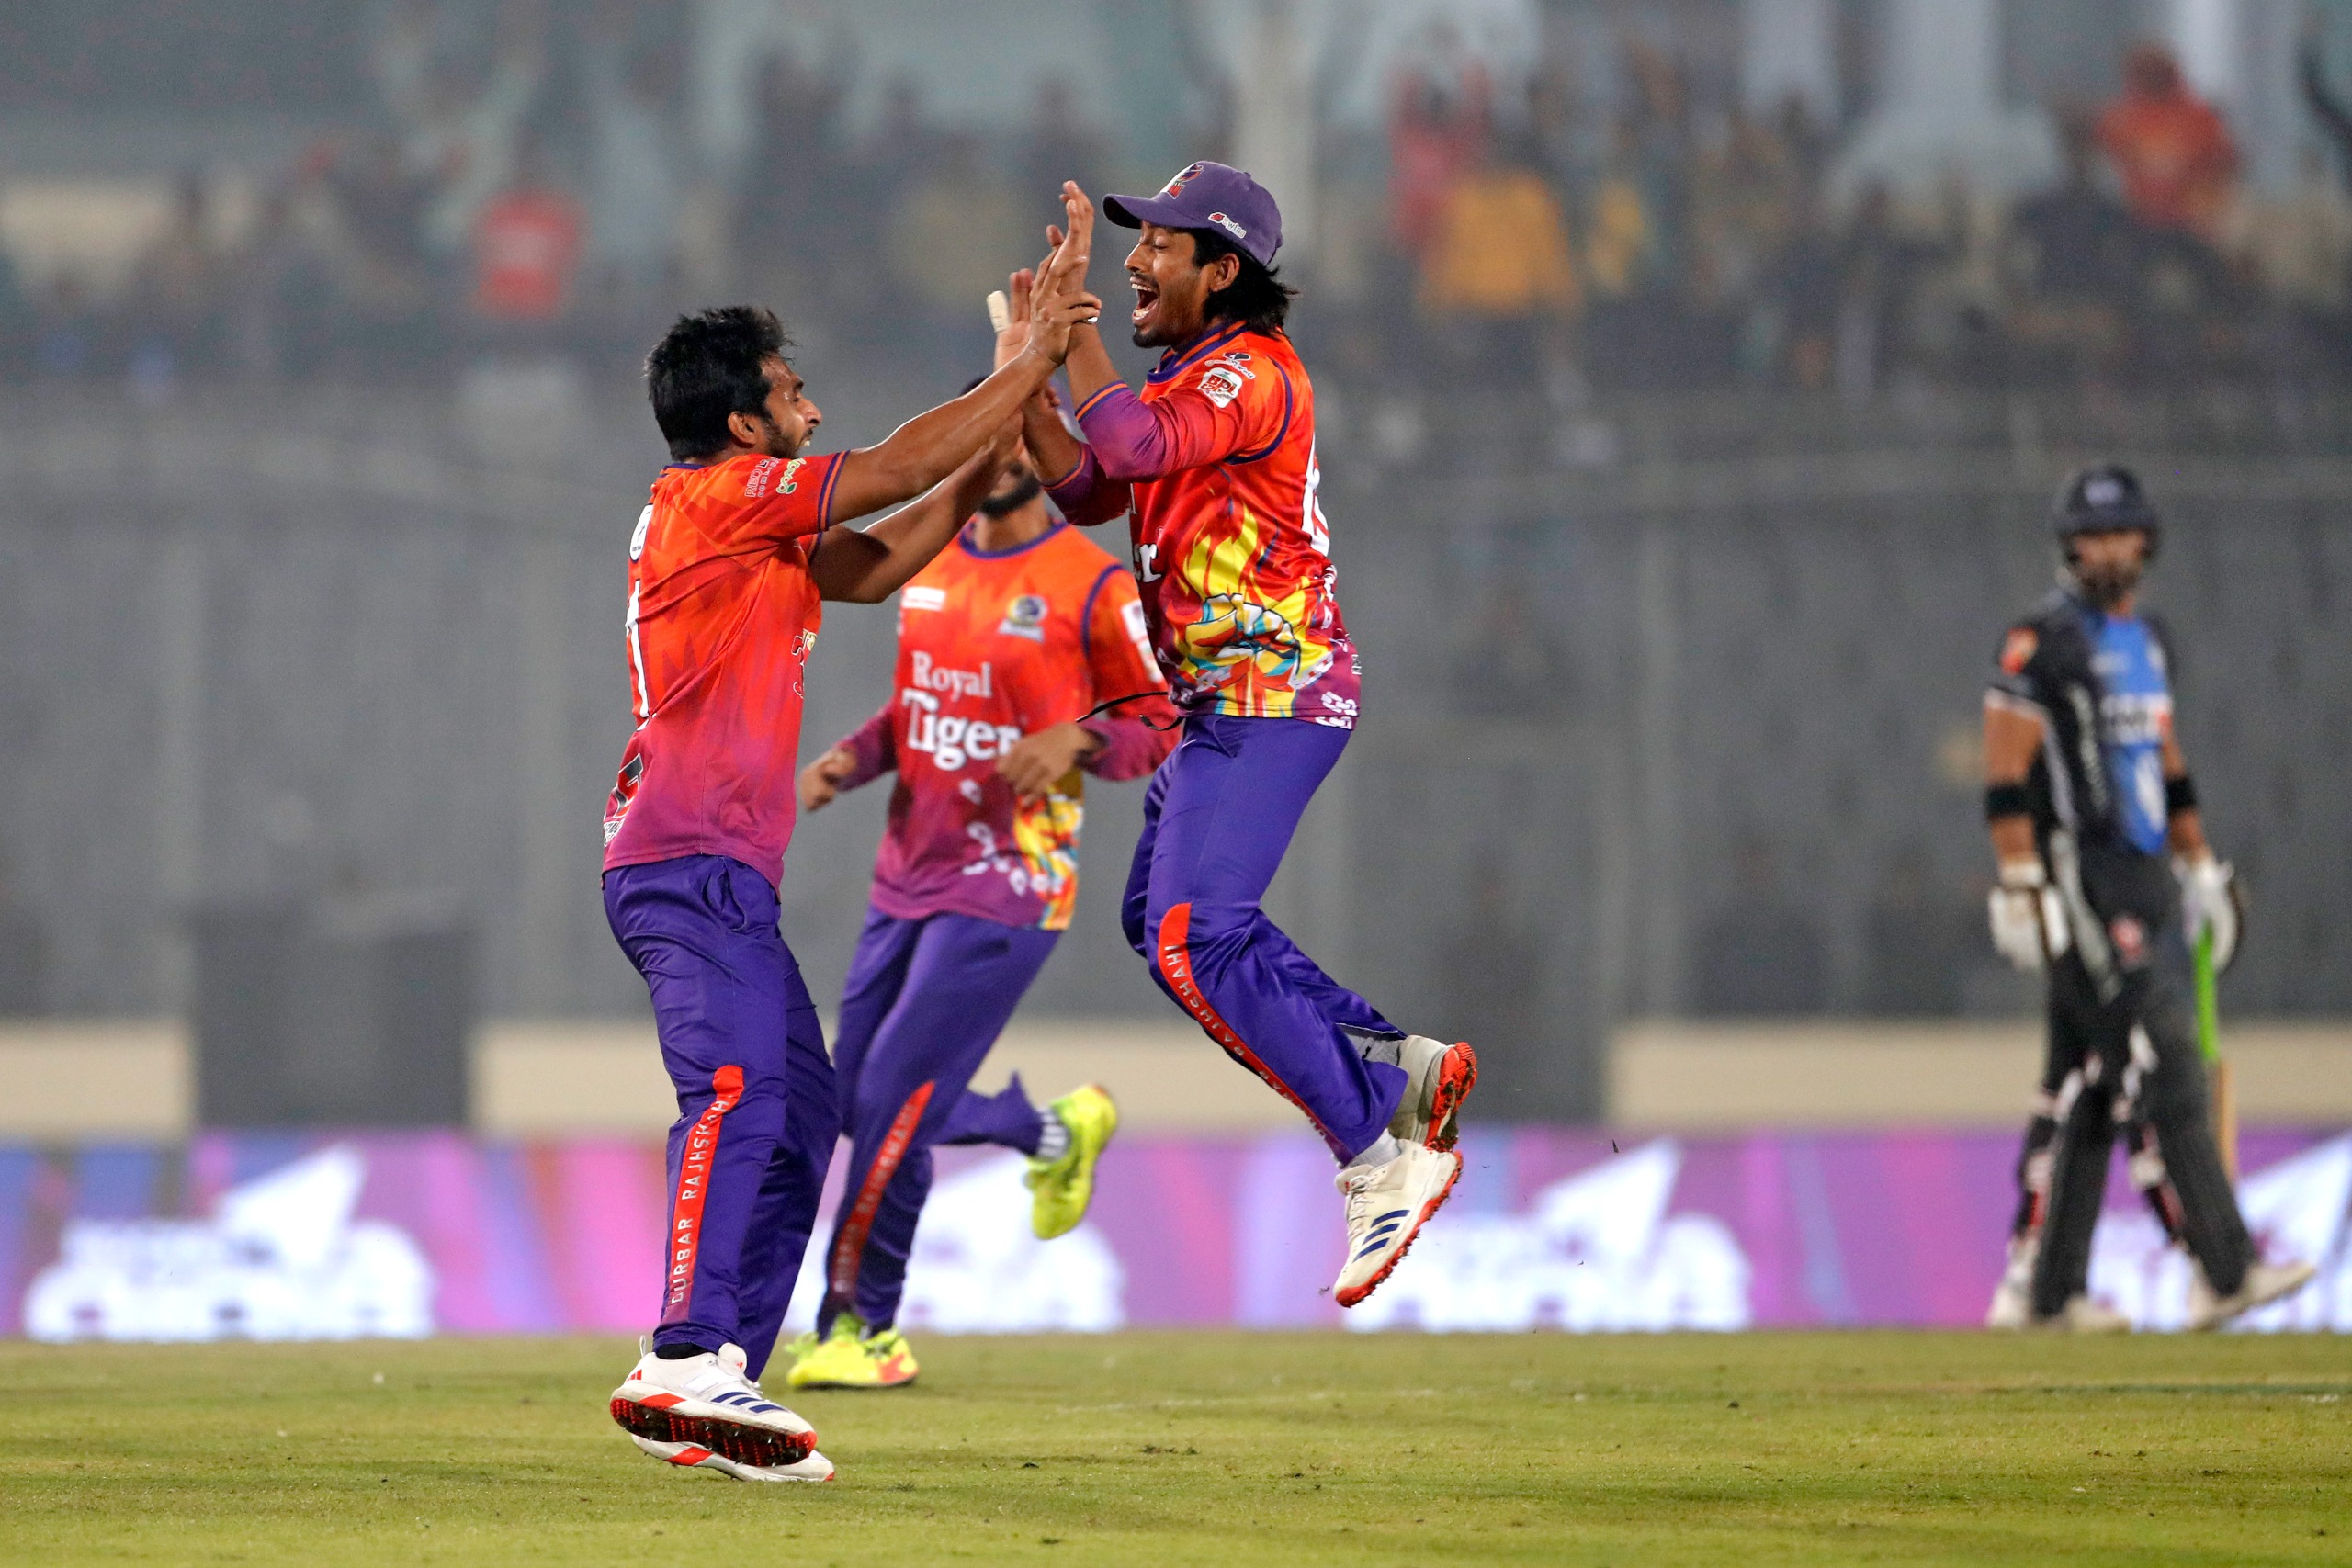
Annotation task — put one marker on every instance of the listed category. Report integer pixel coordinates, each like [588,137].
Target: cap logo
[2102,492]
[1176,187]
[1229,225]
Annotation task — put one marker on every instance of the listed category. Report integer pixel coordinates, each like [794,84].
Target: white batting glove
[2027,920]
[2211,900]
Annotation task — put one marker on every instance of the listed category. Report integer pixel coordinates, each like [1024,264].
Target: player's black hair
[1257,296]
[710,364]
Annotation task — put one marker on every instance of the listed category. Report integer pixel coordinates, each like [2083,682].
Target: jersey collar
[1176,359]
[963,543]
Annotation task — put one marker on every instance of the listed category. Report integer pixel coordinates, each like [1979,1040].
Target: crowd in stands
[525,191]
[1678,246]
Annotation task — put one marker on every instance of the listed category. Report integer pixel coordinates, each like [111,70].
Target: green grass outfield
[1212,1449]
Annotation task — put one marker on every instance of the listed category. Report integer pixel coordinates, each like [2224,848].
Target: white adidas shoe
[693,1456]
[707,1402]
[2012,1305]
[2263,1283]
[1388,1205]
[1440,1079]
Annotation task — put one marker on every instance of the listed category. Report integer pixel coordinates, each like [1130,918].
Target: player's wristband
[2180,795]
[2006,800]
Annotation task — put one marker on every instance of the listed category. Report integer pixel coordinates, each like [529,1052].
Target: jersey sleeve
[1138,733]
[1231,407]
[2017,668]
[875,745]
[1086,497]
[780,499]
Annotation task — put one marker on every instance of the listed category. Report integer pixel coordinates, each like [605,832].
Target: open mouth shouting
[1146,302]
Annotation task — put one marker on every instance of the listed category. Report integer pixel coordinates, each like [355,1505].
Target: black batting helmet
[2104,499]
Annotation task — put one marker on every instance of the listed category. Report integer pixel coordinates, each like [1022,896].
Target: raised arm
[866,567]
[1060,457]
[928,448]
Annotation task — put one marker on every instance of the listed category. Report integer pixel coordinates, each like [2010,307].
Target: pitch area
[1216,1449]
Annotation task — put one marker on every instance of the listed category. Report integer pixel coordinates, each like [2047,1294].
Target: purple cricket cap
[1208,195]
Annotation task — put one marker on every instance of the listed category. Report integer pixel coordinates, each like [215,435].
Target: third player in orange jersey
[1009,643]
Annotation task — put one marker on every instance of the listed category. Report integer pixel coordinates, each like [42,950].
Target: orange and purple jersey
[1216,463]
[993,648]
[722,613]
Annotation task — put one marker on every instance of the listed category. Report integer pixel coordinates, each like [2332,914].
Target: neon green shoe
[1061,1188]
[851,1357]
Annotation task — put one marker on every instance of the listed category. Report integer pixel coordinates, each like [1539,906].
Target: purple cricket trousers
[925,1000]
[756,1117]
[1218,815]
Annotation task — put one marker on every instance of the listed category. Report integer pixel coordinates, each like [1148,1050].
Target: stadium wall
[1711,676]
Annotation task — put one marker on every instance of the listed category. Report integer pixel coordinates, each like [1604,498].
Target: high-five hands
[1058,295]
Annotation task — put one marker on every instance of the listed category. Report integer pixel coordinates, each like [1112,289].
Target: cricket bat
[2217,1066]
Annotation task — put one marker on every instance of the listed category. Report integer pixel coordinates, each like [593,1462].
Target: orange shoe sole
[1458,1075]
[744,1445]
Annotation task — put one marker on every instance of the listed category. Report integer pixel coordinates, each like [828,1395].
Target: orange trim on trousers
[850,1245]
[693,1190]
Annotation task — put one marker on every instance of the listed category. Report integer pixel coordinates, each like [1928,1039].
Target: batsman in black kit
[2106,880]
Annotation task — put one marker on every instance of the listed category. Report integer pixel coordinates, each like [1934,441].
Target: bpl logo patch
[1026,616]
[1221,384]
[2018,650]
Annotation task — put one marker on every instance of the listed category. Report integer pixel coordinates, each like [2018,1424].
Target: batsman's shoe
[707,1402]
[2012,1305]
[1440,1078]
[1059,1190]
[851,1357]
[693,1456]
[2082,1314]
[2263,1283]
[1388,1205]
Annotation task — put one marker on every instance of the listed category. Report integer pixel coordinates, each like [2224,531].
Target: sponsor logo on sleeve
[917,596]
[775,473]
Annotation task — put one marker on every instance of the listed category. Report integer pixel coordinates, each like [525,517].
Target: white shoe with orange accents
[1388,1205]
[705,1407]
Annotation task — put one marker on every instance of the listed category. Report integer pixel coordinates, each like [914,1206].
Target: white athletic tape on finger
[1000,309]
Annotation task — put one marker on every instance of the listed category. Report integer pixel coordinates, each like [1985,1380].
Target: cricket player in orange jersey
[737,545]
[1009,643]
[1214,464]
